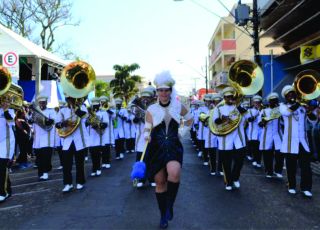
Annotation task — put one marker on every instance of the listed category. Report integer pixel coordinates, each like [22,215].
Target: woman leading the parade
[165,151]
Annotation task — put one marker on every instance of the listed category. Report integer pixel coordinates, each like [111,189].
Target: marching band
[224,131]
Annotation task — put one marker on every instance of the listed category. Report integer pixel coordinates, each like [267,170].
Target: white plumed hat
[164,80]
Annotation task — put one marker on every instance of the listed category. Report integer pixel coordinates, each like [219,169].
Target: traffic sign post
[11,62]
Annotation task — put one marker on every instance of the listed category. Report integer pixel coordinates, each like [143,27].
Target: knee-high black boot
[172,190]
[162,203]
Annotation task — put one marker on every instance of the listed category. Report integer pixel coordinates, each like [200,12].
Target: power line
[223,19]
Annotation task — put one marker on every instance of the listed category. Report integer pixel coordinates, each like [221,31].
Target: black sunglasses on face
[163,90]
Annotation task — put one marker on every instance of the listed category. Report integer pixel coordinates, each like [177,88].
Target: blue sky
[153,33]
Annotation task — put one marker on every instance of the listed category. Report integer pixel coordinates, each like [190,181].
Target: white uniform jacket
[57,138]
[235,139]
[97,139]
[80,136]
[271,133]
[108,136]
[294,129]
[7,139]
[210,140]
[43,138]
[119,130]
[200,133]
[195,115]
[253,127]
[130,128]
[140,141]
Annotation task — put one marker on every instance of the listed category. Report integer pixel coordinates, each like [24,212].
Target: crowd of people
[279,134]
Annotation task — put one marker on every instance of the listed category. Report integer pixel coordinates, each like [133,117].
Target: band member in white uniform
[200,126]
[97,123]
[130,131]
[295,144]
[7,144]
[108,135]
[252,116]
[206,131]
[212,143]
[232,145]
[74,145]
[57,140]
[139,119]
[119,130]
[271,137]
[43,143]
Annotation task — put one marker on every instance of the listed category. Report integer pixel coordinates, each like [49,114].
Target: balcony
[223,45]
[220,79]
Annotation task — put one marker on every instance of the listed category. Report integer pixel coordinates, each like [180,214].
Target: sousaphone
[77,81]
[246,78]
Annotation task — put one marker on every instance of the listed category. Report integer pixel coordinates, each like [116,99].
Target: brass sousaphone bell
[77,81]
[246,77]
[10,92]
[307,85]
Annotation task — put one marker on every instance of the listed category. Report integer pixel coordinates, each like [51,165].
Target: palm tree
[102,88]
[124,84]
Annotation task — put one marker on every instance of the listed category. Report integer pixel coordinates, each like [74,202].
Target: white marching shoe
[292,191]
[80,186]
[139,184]
[107,166]
[153,184]
[307,193]
[228,188]
[236,184]
[93,174]
[2,198]
[98,172]
[205,163]
[278,175]
[200,154]
[45,176]
[67,188]
[121,156]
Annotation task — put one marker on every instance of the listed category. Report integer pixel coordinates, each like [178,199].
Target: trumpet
[10,93]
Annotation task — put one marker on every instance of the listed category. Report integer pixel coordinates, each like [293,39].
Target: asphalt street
[111,202]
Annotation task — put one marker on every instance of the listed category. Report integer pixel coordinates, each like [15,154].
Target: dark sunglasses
[163,90]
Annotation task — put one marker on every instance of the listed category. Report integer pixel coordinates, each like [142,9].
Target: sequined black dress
[164,146]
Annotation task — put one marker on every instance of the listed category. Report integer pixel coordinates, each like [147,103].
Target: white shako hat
[257,98]
[103,99]
[42,98]
[216,97]
[272,96]
[286,90]
[164,80]
[207,97]
[147,92]
[228,91]
[118,101]
[95,101]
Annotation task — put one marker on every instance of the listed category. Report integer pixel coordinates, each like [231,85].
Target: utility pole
[206,76]
[255,22]
[242,18]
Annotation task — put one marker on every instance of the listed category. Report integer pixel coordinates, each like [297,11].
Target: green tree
[124,84]
[102,88]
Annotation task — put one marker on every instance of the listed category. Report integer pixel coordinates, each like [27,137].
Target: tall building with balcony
[229,43]
[226,45]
